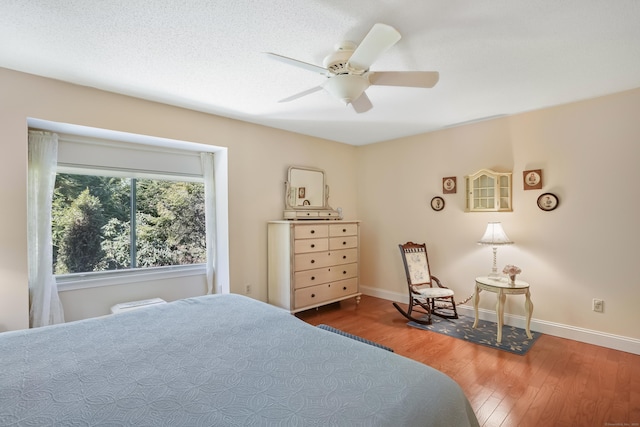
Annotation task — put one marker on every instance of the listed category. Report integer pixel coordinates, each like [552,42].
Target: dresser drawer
[328,214]
[325,259]
[306,214]
[317,276]
[326,292]
[342,287]
[310,231]
[343,230]
[345,242]
[310,245]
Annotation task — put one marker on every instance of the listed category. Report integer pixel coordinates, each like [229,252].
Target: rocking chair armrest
[435,279]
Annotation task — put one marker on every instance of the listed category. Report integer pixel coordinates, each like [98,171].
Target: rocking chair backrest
[416,263]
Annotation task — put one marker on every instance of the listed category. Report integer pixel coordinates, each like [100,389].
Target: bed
[215,360]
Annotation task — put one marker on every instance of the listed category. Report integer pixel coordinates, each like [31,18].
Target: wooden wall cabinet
[312,263]
[488,191]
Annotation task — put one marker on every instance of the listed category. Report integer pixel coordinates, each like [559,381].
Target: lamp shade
[494,235]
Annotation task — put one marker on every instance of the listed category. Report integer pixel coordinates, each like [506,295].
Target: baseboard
[603,339]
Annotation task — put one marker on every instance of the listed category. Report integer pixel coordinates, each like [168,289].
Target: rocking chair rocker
[430,300]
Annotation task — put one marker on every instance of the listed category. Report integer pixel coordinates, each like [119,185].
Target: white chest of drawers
[312,263]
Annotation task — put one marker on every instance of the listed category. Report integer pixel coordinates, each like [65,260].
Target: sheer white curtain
[210,220]
[45,306]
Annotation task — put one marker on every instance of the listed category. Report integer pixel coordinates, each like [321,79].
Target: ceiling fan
[347,69]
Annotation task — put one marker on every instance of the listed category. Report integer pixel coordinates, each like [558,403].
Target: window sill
[70,282]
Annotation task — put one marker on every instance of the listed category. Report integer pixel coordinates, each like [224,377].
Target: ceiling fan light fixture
[346,87]
[347,69]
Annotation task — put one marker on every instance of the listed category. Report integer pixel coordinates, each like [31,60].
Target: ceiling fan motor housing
[337,61]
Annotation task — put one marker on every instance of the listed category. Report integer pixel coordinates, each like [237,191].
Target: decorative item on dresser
[307,195]
[312,263]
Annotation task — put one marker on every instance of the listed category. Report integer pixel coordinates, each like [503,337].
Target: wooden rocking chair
[422,294]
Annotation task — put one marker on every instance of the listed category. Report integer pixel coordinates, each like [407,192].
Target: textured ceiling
[496,57]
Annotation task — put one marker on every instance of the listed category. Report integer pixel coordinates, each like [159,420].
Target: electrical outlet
[598,305]
[247,289]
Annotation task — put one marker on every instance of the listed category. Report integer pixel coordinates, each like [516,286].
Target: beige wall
[587,248]
[14,294]
[258,160]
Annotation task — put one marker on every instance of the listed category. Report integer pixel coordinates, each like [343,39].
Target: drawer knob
[313,295]
[313,277]
[313,231]
[344,257]
[344,272]
[313,261]
[344,288]
[344,243]
[313,246]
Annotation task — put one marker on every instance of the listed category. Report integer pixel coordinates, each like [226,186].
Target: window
[144,194]
[103,223]
[104,154]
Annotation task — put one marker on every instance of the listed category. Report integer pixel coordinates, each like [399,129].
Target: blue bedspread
[220,360]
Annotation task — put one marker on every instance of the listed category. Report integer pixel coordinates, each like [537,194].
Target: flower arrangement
[511,270]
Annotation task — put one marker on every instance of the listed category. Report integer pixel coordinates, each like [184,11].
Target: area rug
[514,340]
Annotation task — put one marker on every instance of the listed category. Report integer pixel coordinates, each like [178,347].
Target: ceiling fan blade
[299,64]
[362,104]
[301,94]
[380,38]
[426,79]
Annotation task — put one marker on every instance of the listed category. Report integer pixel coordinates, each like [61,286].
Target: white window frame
[102,137]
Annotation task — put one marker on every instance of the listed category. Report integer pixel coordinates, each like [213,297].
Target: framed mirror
[307,194]
[306,188]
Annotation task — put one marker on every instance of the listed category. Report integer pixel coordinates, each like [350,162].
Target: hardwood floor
[559,382]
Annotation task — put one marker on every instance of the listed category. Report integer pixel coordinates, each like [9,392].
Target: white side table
[502,288]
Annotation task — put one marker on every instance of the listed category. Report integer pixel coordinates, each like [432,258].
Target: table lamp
[494,236]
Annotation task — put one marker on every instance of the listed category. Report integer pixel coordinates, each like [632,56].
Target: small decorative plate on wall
[532,179]
[548,201]
[449,185]
[437,203]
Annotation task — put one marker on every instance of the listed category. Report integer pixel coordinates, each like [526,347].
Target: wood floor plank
[487,409]
[549,378]
[622,391]
[559,382]
[499,414]
[634,388]
[558,403]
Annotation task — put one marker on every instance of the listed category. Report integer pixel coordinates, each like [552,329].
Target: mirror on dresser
[307,195]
